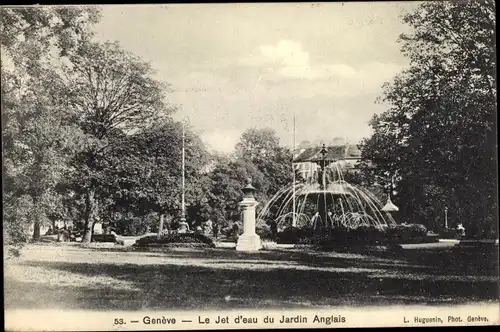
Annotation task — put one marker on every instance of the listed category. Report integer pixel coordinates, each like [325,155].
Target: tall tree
[111,92]
[30,34]
[38,140]
[440,130]
[143,172]
[261,147]
[36,130]
[227,180]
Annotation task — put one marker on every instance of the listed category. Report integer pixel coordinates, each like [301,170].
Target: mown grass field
[69,276]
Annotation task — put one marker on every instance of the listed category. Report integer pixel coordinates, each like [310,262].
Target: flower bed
[173,240]
[103,238]
[152,246]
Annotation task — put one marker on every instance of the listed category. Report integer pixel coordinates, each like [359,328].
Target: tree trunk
[90,215]
[36,231]
[36,224]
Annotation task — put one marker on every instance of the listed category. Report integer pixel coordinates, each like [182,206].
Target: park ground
[53,276]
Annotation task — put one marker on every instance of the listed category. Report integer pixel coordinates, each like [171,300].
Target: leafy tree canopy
[439,133]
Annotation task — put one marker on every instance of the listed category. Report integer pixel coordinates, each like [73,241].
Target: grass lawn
[67,276]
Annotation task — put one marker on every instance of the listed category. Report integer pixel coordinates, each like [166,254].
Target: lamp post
[294,220]
[446,218]
[322,165]
[183,166]
[322,203]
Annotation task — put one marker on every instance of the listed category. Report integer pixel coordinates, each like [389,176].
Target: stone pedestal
[249,240]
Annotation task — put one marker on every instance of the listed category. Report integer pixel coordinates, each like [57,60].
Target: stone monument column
[249,240]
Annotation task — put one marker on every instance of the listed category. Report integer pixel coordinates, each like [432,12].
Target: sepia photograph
[249,165]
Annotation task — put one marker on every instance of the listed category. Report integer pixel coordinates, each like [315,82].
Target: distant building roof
[338,152]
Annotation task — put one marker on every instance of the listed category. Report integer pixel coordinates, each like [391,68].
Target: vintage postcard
[249,166]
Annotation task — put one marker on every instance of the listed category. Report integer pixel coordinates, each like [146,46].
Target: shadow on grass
[438,261]
[34,295]
[177,286]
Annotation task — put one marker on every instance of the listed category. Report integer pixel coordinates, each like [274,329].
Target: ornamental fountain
[336,202]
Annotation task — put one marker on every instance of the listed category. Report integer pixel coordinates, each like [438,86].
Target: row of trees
[88,135]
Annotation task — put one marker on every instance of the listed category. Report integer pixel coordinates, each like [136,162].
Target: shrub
[63,235]
[406,232]
[237,227]
[360,235]
[264,231]
[103,238]
[172,239]
[450,234]
[373,234]
[294,235]
[48,238]
[232,230]
[268,245]
[418,230]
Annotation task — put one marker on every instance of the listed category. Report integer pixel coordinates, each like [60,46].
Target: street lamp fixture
[322,164]
[323,151]
[389,205]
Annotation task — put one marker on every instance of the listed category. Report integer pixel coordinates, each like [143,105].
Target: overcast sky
[236,66]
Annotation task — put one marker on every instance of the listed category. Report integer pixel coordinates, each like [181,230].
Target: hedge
[294,235]
[405,233]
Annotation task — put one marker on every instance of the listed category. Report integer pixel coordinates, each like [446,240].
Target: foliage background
[88,134]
